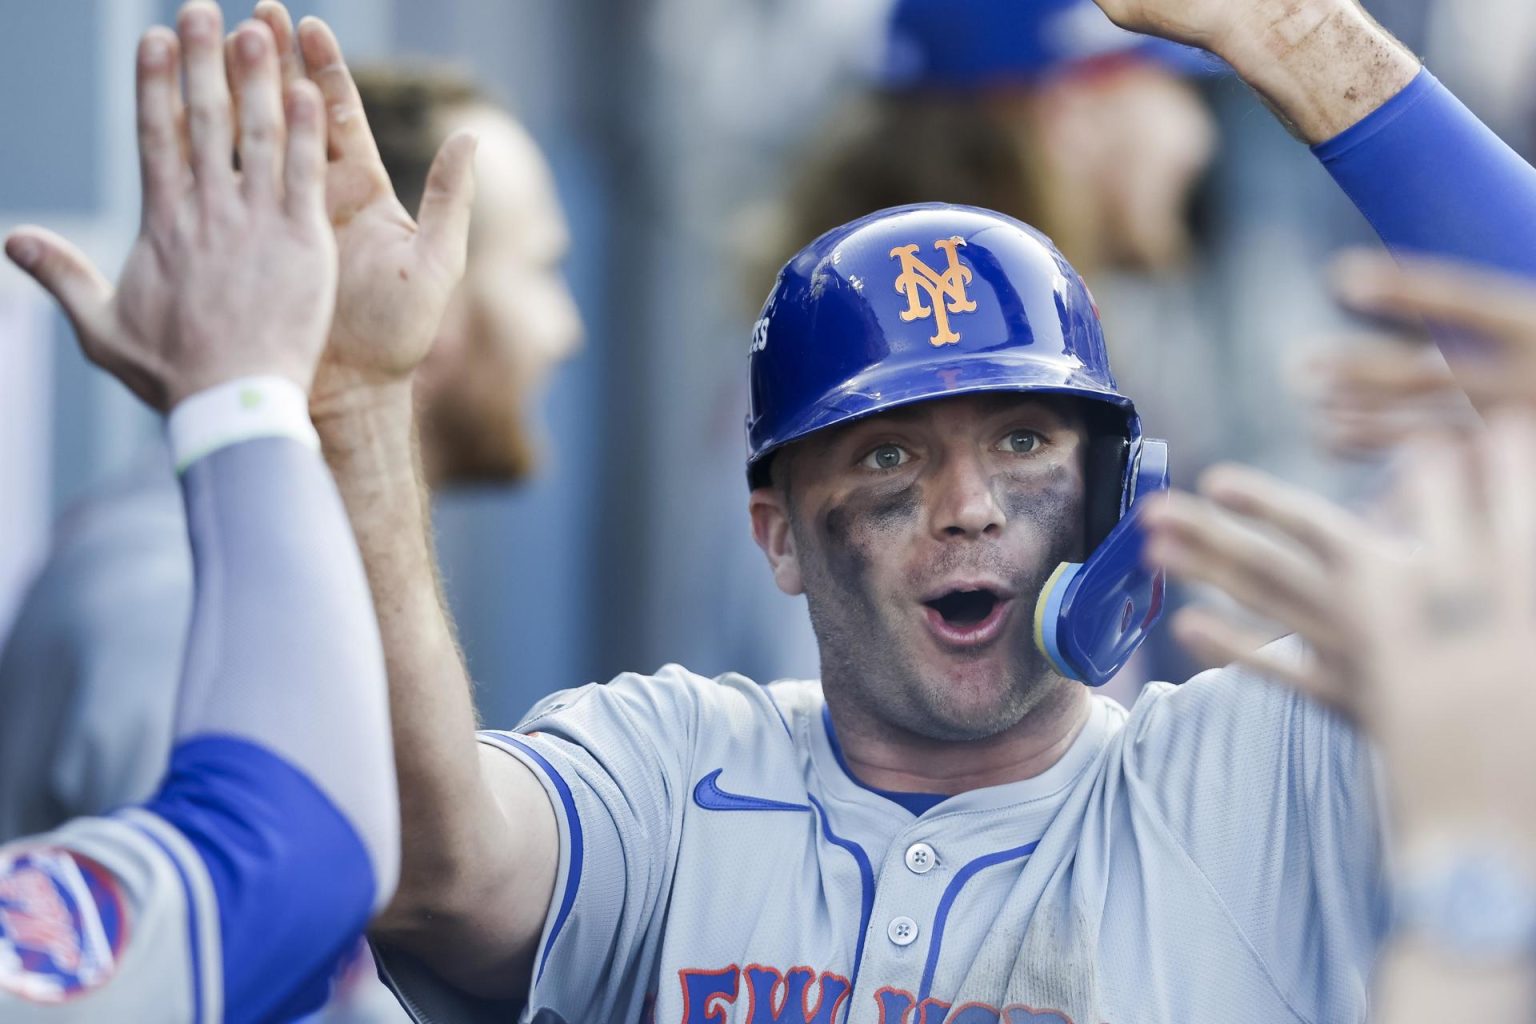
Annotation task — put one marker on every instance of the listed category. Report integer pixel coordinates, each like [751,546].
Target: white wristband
[242,409]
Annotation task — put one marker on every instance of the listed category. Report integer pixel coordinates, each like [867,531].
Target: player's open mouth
[968,617]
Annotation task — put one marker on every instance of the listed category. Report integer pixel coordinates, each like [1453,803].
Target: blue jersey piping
[866,885]
[573,876]
[193,933]
[907,801]
[948,899]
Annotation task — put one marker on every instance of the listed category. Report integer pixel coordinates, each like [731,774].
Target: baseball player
[232,892]
[948,826]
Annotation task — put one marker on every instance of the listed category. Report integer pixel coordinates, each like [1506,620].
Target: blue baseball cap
[976,43]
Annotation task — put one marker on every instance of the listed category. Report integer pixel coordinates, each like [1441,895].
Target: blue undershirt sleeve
[1434,180]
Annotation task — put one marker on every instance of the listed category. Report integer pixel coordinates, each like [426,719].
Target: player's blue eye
[1021,442]
[887,456]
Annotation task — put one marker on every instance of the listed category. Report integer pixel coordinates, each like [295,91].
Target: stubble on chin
[878,671]
[978,709]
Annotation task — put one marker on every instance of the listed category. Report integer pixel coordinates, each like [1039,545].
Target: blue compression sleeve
[1434,180]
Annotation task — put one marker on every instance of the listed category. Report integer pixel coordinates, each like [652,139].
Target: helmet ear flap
[1103,473]
[1092,615]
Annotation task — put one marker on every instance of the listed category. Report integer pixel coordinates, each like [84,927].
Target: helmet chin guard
[1092,615]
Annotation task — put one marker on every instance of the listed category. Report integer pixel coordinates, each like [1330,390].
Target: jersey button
[902,931]
[921,858]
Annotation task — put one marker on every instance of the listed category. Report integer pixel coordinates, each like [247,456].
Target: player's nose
[964,503]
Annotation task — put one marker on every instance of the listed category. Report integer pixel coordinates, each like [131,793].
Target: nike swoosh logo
[708,795]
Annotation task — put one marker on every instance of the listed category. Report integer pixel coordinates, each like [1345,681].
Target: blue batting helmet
[933,301]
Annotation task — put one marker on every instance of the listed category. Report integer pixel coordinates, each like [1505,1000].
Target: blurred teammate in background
[88,675]
[232,892]
[1423,630]
[1044,110]
[513,319]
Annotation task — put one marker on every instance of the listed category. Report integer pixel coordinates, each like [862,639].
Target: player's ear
[771,530]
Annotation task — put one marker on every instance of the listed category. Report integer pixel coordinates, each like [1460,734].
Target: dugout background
[666,121]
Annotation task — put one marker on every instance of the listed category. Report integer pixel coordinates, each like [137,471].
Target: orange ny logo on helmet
[945,292]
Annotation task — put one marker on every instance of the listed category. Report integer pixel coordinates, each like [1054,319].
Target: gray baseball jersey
[234,891]
[1211,855]
[71,900]
[88,674]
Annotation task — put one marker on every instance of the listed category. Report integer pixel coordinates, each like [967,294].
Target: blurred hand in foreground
[1426,638]
[1368,394]
[1485,323]
[397,274]
[231,275]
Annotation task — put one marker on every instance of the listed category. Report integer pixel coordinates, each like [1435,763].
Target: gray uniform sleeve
[283,651]
[614,760]
[275,832]
[1275,800]
[88,674]
[108,919]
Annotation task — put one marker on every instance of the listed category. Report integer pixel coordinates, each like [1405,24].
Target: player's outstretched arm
[474,889]
[276,829]
[1428,175]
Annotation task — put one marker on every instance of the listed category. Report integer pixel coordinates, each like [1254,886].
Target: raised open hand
[1424,637]
[1373,392]
[230,276]
[397,274]
[1485,322]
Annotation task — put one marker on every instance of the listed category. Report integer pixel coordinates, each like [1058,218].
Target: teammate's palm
[392,289]
[396,273]
[1450,633]
[229,276]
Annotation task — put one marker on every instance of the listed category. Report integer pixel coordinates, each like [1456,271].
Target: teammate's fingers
[179,107]
[260,110]
[445,204]
[65,272]
[1214,640]
[277,18]
[1196,542]
[1493,382]
[1381,372]
[1498,307]
[209,127]
[162,170]
[1307,518]
[1378,378]
[231,62]
[304,167]
[1435,498]
[346,124]
[1352,432]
